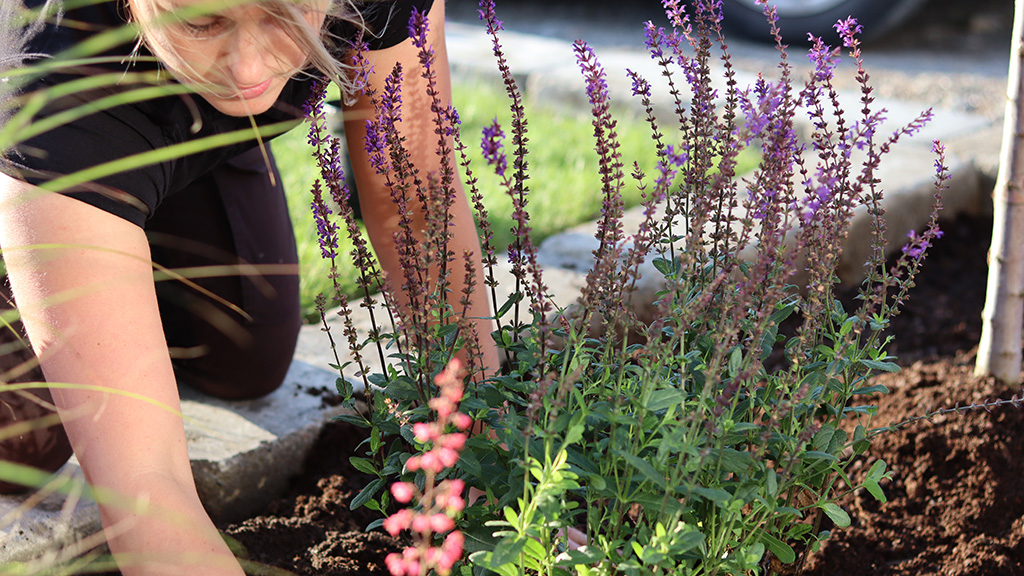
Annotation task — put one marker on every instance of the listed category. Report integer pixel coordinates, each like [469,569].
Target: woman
[91,308]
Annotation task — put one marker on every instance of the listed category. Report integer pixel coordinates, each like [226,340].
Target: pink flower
[398,521]
[413,463]
[402,491]
[411,557]
[452,441]
[455,486]
[447,457]
[395,564]
[420,523]
[452,504]
[451,551]
[424,432]
[442,406]
[440,523]
[429,461]
[462,421]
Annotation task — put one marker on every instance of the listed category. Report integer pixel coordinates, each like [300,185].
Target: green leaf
[507,552]
[375,441]
[371,490]
[364,465]
[469,463]
[355,419]
[879,365]
[869,390]
[859,437]
[875,490]
[735,361]
[713,494]
[402,388]
[818,455]
[657,504]
[845,329]
[486,559]
[876,473]
[736,461]
[510,516]
[586,555]
[782,551]
[836,514]
[344,387]
[534,550]
[575,432]
[513,299]
[666,267]
[877,470]
[664,398]
[644,467]
[861,409]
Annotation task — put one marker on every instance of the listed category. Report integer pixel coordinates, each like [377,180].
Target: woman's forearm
[83,283]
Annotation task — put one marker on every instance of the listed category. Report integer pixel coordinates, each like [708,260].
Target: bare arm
[379,212]
[84,285]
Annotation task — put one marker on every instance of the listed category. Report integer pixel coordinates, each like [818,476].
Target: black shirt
[136,128]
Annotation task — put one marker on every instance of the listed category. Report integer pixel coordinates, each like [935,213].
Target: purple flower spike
[491,144]
[486,13]
[848,30]
[641,87]
[653,38]
[918,245]
[823,57]
[327,231]
[418,27]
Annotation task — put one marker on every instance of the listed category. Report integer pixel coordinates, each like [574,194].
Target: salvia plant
[714,438]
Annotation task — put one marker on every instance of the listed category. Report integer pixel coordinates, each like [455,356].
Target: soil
[955,501]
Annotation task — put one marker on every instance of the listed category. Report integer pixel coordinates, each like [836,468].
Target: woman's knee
[253,369]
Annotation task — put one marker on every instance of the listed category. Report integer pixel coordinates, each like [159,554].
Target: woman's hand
[83,281]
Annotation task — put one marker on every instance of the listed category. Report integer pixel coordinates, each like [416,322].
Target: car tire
[798,18]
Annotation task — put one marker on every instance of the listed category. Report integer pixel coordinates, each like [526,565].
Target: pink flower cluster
[440,503]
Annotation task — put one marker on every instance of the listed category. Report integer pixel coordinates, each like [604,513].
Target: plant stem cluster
[711,437]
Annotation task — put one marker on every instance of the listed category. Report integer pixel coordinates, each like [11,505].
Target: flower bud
[440,523]
[424,432]
[402,491]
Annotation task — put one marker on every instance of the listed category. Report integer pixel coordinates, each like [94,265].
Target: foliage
[711,438]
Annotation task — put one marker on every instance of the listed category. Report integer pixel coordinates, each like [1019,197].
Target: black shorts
[234,223]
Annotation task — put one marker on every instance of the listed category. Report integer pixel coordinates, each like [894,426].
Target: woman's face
[239,57]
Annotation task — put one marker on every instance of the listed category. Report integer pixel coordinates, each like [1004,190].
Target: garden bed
[956,502]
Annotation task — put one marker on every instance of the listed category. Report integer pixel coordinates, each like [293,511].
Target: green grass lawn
[564,183]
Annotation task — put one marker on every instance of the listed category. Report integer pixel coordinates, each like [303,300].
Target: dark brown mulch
[311,529]
[956,501]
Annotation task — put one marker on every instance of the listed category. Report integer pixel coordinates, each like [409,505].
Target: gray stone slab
[243,454]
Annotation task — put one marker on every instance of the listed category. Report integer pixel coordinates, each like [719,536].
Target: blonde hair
[324,51]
